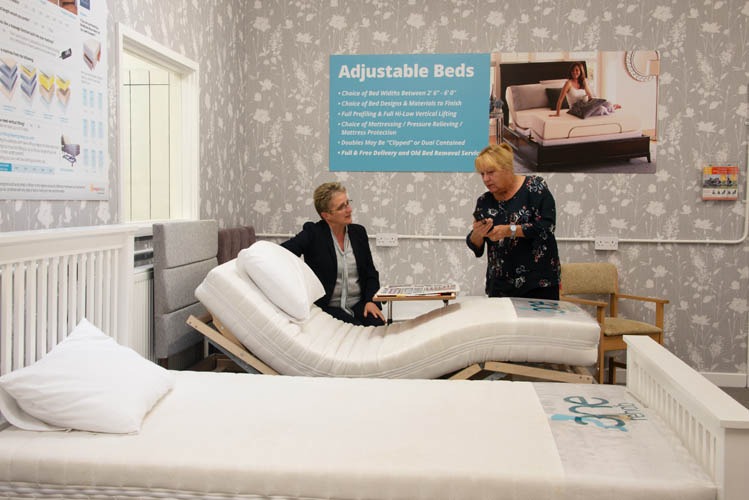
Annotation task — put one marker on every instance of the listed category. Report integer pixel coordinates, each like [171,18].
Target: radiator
[51,279]
[141,319]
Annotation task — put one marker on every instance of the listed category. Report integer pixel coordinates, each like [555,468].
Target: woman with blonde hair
[515,219]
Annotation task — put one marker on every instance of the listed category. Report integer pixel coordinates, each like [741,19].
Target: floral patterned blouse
[523,264]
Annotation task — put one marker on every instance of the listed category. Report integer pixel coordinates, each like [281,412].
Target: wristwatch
[513,231]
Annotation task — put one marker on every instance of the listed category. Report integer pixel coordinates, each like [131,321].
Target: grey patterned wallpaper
[264,122]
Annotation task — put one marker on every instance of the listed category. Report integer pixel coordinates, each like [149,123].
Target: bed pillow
[285,279]
[529,96]
[87,382]
[585,109]
[552,93]
[559,82]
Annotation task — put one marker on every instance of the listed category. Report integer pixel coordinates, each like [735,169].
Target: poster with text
[53,102]
[417,112]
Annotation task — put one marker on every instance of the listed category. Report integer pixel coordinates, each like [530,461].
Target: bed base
[220,337]
[225,341]
[539,157]
[522,371]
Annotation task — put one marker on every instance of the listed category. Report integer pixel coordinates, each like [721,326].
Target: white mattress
[254,436]
[617,449]
[566,126]
[431,345]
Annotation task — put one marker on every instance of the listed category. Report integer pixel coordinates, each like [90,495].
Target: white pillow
[87,382]
[559,82]
[285,279]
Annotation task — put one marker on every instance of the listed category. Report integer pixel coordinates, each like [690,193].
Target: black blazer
[315,242]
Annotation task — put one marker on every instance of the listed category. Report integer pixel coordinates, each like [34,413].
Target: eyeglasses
[342,207]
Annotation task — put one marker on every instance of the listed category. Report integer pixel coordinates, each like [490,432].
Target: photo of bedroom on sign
[593,112]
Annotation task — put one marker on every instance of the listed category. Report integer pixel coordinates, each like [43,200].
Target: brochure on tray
[417,290]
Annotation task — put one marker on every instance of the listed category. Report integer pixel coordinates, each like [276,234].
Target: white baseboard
[726,379]
[718,378]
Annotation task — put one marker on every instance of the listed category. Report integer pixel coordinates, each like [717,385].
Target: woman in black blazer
[338,252]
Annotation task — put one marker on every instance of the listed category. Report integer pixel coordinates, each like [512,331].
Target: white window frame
[189,144]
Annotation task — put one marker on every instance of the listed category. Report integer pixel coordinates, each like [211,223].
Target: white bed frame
[51,279]
[710,423]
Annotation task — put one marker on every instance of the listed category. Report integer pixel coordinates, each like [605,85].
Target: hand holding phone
[480,215]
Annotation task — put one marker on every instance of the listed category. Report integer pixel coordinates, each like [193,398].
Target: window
[158,117]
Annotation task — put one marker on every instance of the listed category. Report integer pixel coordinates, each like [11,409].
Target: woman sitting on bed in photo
[576,89]
[338,252]
[515,220]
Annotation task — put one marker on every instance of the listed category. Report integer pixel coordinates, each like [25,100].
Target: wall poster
[53,102]
[593,111]
[720,182]
[416,112]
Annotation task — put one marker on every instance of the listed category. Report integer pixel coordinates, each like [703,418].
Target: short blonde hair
[324,193]
[495,157]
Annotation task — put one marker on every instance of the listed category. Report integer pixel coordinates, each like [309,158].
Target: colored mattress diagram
[28,80]
[8,76]
[91,52]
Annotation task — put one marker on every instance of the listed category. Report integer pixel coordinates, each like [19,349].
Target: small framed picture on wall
[720,182]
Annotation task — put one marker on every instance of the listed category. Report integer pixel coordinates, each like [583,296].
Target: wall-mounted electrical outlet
[386,240]
[607,243]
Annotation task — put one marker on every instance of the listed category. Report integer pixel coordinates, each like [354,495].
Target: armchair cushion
[622,326]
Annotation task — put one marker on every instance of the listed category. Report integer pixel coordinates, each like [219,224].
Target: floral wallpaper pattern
[264,128]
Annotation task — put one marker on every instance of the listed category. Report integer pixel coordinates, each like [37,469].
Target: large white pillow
[283,278]
[559,82]
[87,382]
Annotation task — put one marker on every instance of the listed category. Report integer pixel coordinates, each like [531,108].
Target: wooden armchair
[596,280]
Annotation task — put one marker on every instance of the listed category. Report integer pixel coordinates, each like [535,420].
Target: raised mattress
[429,346]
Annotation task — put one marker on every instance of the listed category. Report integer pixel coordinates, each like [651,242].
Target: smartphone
[480,214]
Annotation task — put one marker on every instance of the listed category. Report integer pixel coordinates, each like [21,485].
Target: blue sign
[418,112]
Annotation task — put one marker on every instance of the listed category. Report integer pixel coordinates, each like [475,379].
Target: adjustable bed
[670,434]
[251,299]
[544,143]
[275,328]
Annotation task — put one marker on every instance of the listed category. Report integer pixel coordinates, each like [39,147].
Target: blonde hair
[324,193]
[495,157]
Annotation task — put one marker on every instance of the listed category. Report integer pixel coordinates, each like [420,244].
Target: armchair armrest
[586,302]
[659,306]
[639,297]
[598,304]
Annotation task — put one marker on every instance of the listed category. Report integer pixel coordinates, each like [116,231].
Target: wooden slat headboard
[51,279]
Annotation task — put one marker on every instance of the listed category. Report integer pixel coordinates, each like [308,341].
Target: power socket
[386,240]
[607,243]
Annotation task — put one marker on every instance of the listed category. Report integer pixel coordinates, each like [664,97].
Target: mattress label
[538,308]
[591,406]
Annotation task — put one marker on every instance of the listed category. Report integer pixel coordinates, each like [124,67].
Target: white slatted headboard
[51,279]
[709,423]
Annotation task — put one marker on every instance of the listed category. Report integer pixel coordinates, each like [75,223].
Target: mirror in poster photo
[576,112]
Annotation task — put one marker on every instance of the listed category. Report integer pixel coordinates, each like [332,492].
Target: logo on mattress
[533,308]
[600,412]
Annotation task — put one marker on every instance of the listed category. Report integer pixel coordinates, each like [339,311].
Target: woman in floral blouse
[515,219]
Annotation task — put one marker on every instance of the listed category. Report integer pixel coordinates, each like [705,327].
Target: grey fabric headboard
[183,253]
